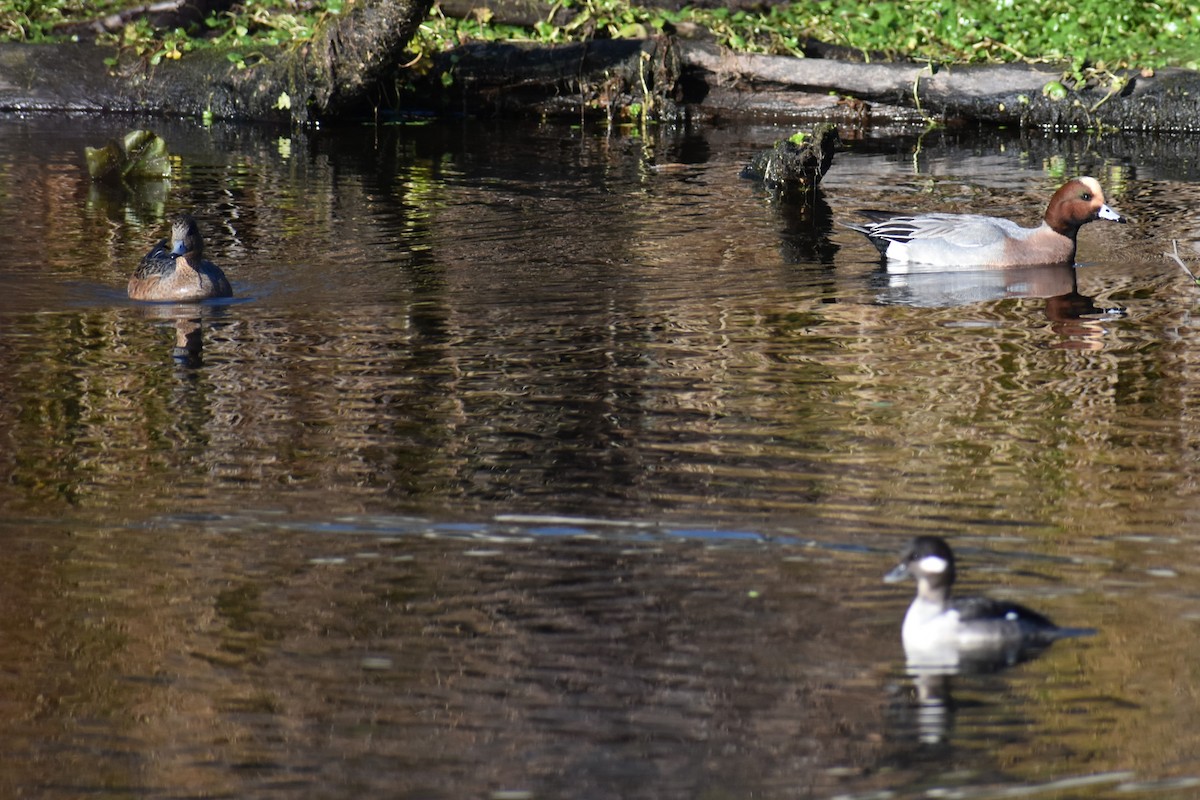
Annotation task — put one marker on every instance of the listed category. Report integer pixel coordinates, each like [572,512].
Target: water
[537,461]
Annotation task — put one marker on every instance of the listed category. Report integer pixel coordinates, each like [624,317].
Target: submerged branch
[1175,256]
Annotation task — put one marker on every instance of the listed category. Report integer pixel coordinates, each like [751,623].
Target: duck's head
[185,236]
[929,560]
[1076,203]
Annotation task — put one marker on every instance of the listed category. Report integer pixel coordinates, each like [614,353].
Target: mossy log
[349,56]
[791,170]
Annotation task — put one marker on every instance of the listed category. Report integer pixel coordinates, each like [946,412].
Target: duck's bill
[896,574]
[1107,213]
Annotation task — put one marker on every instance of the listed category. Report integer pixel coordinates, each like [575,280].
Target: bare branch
[1175,256]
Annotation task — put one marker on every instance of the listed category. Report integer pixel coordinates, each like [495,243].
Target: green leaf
[145,156]
[103,162]
[139,155]
[1054,90]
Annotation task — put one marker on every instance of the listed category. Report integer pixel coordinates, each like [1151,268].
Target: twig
[1114,89]
[1175,255]
[916,91]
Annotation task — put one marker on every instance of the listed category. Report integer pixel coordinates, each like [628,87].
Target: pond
[547,461]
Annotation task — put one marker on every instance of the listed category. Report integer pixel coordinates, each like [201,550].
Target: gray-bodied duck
[976,241]
[179,274]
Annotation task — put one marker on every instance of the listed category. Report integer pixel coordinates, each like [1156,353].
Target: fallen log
[995,90]
[521,13]
[998,93]
[710,81]
[162,15]
[707,80]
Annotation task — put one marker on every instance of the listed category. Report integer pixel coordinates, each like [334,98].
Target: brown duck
[179,274]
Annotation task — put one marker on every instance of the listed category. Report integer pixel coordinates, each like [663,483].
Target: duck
[977,241]
[179,274]
[944,630]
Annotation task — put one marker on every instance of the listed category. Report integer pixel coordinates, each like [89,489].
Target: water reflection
[269,548]
[939,288]
[804,228]
[932,707]
[1073,316]
[928,713]
[188,320]
[143,200]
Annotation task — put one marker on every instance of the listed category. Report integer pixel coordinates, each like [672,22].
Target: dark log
[792,169]
[162,15]
[523,13]
[602,76]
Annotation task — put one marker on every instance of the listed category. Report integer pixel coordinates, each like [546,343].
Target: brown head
[1076,203]
[185,237]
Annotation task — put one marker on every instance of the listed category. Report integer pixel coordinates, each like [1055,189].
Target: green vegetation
[1091,34]
[35,20]
[245,31]
[1100,33]
[1120,32]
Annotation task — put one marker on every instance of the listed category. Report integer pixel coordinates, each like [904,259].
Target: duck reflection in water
[1072,315]
[945,636]
[179,274]
[188,324]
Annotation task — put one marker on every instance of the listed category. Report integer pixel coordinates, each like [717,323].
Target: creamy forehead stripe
[933,564]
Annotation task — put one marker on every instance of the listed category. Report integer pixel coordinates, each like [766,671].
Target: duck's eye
[1086,196]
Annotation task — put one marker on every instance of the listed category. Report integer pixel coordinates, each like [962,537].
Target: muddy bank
[359,69]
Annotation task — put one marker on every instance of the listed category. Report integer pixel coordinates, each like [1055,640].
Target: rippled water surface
[541,462]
